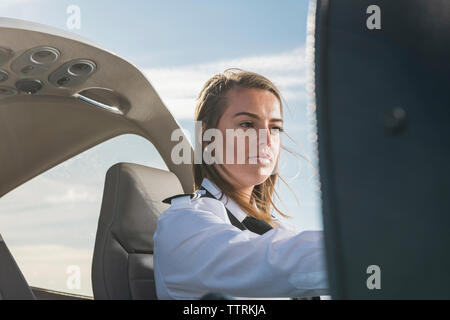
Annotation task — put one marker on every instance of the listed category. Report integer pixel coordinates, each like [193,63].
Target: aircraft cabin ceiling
[61,95]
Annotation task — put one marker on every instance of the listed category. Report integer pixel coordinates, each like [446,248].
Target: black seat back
[123,256]
[13,285]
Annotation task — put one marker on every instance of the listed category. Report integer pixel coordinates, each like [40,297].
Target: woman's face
[257,112]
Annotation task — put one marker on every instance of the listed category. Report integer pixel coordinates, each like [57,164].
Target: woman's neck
[246,193]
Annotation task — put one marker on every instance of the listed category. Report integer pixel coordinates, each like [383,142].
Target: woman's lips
[263,158]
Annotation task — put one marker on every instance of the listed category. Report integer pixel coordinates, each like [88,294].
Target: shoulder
[188,210]
[189,223]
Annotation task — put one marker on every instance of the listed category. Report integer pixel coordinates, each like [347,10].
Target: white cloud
[179,86]
[49,191]
[71,194]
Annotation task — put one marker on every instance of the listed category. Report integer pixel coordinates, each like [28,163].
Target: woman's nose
[265,138]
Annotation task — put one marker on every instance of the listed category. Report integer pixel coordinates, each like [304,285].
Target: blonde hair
[210,107]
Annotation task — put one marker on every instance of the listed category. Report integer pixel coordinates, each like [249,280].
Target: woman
[227,239]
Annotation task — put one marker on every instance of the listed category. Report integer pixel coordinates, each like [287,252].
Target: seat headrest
[132,202]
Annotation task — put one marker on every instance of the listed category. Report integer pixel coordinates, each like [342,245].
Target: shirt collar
[227,202]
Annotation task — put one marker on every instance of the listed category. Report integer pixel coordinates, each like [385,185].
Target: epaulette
[193,196]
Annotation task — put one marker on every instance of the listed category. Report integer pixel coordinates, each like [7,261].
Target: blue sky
[50,222]
[170,33]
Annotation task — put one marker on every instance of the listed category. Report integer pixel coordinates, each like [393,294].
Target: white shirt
[197,250]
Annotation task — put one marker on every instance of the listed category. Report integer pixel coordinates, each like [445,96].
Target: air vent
[35,61]
[72,73]
[44,56]
[29,86]
[82,68]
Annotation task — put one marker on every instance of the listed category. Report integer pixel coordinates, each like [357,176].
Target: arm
[197,252]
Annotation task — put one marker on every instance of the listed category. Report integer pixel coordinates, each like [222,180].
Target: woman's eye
[276,129]
[246,124]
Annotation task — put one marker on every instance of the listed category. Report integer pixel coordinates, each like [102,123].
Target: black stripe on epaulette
[192,196]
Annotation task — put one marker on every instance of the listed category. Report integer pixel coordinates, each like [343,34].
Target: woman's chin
[251,174]
[258,176]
